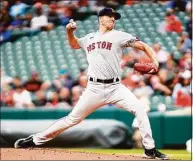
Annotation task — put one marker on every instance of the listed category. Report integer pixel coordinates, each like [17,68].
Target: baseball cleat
[155,154]
[25,142]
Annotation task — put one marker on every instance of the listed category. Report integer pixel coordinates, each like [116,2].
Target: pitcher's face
[107,21]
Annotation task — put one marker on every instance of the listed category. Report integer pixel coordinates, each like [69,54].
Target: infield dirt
[60,154]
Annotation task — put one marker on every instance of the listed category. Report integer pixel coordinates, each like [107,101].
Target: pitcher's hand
[71,25]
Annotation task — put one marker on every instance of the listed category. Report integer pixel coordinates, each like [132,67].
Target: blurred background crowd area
[44,15]
[39,70]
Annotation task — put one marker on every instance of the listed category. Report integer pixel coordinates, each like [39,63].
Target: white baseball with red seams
[104,52]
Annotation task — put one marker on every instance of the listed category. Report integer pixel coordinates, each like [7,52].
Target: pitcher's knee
[71,120]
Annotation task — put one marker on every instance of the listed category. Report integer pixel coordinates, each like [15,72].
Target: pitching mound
[59,154]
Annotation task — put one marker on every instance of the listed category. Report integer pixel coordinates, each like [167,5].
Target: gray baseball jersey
[104,52]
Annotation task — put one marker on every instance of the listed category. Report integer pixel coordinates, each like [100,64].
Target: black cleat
[155,154]
[25,142]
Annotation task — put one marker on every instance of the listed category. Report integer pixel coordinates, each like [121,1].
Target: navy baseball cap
[109,12]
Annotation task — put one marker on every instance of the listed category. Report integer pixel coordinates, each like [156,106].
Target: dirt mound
[59,154]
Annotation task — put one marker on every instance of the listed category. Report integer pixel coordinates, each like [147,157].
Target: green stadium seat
[142,34]
[152,15]
[161,14]
[139,11]
[9,53]
[136,6]
[8,44]
[53,37]
[52,33]
[145,6]
[93,17]
[127,25]
[145,20]
[158,10]
[59,28]
[25,39]
[142,16]
[156,19]
[35,38]
[131,15]
[61,32]
[154,5]
[130,30]
[157,39]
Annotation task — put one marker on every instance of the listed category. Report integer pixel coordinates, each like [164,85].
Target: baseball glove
[146,68]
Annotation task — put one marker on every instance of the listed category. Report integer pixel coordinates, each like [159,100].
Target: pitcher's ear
[99,19]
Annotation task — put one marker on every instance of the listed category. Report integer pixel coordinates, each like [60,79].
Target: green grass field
[173,154]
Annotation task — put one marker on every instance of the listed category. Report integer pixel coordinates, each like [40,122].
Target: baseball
[73,24]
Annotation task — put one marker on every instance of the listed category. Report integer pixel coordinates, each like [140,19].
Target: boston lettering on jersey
[100,45]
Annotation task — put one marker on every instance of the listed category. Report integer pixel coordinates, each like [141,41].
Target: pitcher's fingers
[71,21]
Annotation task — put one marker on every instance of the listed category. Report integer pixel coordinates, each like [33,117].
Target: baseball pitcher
[104,50]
